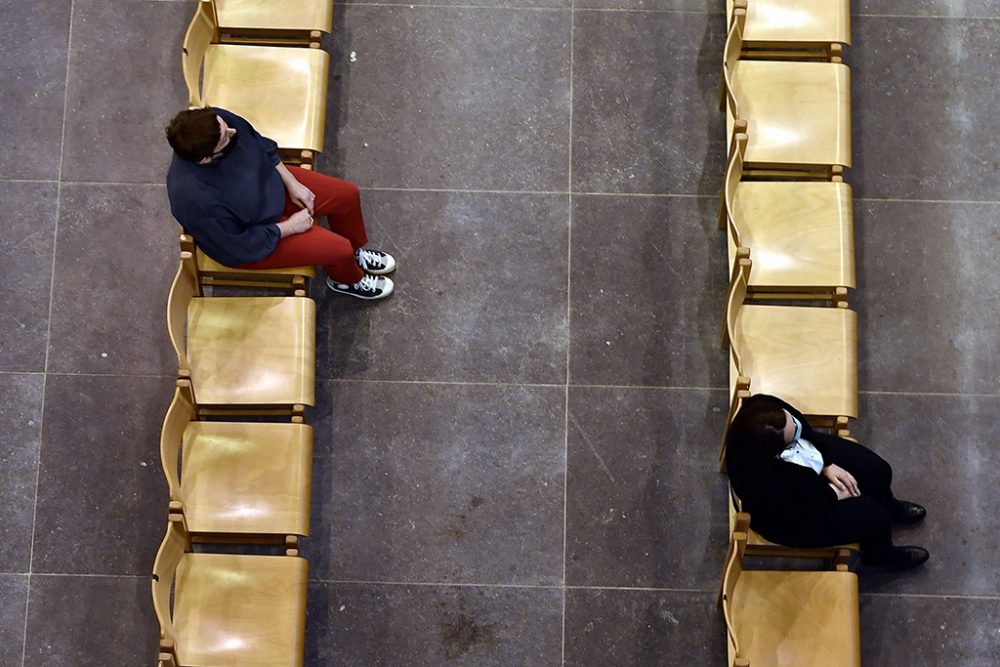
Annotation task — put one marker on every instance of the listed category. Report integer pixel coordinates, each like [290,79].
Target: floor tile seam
[90,374]
[459,383]
[622,10]
[907,200]
[941,394]
[569,330]
[415,6]
[29,180]
[932,596]
[926,16]
[389,188]
[549,385]
[159,184]
[579,193]
[48,331]
[461,584]
[89,575]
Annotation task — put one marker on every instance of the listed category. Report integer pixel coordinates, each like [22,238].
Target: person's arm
[228,241]
[782,489]
[300,195]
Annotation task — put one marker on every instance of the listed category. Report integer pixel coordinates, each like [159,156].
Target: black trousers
[865,519]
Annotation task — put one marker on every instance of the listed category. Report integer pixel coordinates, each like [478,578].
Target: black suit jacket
[779,495]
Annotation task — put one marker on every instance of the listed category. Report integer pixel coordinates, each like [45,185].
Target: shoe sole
[383,295]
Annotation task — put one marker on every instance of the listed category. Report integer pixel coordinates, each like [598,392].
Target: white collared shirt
[803,453]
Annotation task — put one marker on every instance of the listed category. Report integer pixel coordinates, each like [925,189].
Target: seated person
[804,488]
[229,190]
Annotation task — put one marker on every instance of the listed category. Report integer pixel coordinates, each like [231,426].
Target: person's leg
[339,201]
[316,246]
[863,519]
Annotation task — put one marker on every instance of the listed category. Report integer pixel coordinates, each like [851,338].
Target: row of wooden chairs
[233,476]
[787,213]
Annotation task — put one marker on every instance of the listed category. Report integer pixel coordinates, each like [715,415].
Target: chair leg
[842,560]
[291,545]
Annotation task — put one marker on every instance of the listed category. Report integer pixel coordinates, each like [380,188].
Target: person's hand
[841,481]
[841,494]
[301,196]
[298,222]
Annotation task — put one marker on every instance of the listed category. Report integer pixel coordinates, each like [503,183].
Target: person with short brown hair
[806,488]
[229,189]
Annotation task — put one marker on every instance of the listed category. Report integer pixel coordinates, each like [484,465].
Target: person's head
[198,135]
[761,429]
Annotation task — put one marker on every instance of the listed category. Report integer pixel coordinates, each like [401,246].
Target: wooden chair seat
[252,350]
[228,610]
[776,24]
[251,354]
[240,610]
[797,113]
[801,236]
[236,481]
[797,619]
[788,619]
[256,20]
[247,478]
[808,356]
[281,92]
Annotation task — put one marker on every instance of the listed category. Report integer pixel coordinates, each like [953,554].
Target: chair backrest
[731,54]
[730,577]
[738,282]
[734,174]
[175,543]
[201,32]
[182,411]
[741,392]
[184,289]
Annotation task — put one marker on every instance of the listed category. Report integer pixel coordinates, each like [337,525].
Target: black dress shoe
[900,558]
[903,511]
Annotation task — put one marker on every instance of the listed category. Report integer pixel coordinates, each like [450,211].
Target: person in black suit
[806,488]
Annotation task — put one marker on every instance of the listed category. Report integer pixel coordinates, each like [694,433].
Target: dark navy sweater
[231,206]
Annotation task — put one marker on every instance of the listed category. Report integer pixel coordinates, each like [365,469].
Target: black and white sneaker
[369,287]
[375,262]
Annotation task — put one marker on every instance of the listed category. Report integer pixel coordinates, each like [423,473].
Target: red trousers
[340,202]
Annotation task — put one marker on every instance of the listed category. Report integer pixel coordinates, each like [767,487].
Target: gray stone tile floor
[514,462]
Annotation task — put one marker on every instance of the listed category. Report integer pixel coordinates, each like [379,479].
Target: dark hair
[194,133]
[758,430]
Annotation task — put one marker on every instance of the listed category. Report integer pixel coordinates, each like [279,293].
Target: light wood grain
[281,92]
[774,23]
[789,619]
[242,351]
[298,15]
[250,480]
[229,610]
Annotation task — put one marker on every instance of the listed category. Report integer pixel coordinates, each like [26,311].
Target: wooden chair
[228,610]
[797,114]
[274,22]
[212,273]
[794,29]
[739,521]
[789,619]
[234,481]
[243,354]
[806,355]
[801,233]
[282,92]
